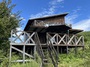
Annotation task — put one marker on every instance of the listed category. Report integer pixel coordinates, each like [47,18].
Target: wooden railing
[71,40]
[22,37]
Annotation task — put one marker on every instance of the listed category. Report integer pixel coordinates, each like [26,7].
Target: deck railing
[22,37]
[70,40]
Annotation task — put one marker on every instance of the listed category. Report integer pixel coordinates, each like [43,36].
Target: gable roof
[45,17]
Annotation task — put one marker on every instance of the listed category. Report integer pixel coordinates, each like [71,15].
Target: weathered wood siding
[54,20]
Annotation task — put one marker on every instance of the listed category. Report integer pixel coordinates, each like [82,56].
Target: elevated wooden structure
[49,33]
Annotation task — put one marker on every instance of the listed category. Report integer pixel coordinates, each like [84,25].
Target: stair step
[45,60]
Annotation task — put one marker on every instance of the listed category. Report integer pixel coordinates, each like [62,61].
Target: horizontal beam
[21,61]
[66,45]
[22,44]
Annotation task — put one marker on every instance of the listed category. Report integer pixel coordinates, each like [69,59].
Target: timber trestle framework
[24,39]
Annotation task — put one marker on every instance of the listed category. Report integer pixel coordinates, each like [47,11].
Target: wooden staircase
[46,51]
[52,52]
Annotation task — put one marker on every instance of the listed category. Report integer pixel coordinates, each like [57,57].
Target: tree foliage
[8,21]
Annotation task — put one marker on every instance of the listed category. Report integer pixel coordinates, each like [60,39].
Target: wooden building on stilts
[50,34]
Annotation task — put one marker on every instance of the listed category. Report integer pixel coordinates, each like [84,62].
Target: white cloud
[83,24]
[54,2]
[76,10]
[70,19]
[51,10]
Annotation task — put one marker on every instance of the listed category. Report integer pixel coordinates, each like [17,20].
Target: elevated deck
[57,39]
[26,43]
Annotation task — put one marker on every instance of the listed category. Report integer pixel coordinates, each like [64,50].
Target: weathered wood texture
[22,37]
[55,20]
[66,40]
[56,39]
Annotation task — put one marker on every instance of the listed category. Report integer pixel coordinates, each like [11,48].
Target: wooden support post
[24,48]
[75,50]
[57,43]
[83,48]
[31,51]
[35,49]
[34,52]
[67,49]
[10,55]
[10,51]
[58,50]
[83,43]
[61,50]
[75,46]
[23,53]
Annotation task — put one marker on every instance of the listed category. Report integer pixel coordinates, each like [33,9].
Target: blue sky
[79,11]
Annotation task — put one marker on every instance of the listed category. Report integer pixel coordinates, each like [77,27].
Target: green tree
[8,21]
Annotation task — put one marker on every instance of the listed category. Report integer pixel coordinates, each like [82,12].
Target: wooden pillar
[11,46]
[83,43]
[31,51]
[24,47]
[34,52]
[23,53]
[57,44]
[61,50]
[75,46]
[67,49]
[58,50]
[83,48]
[10,55]
[75,50]
[35,48]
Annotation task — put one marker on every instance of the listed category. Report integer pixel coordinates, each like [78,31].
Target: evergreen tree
[8,21]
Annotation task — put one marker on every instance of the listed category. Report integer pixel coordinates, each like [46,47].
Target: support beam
[10,55]
[61,50]
[58,50]
[75,50]
[67,49]
[10,52]
[23,53]
[34,52]
[83,48]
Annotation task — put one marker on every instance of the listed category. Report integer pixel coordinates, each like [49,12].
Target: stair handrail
[51,48]
[38,46]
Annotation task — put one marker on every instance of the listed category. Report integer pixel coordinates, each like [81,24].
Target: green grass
[28,64]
